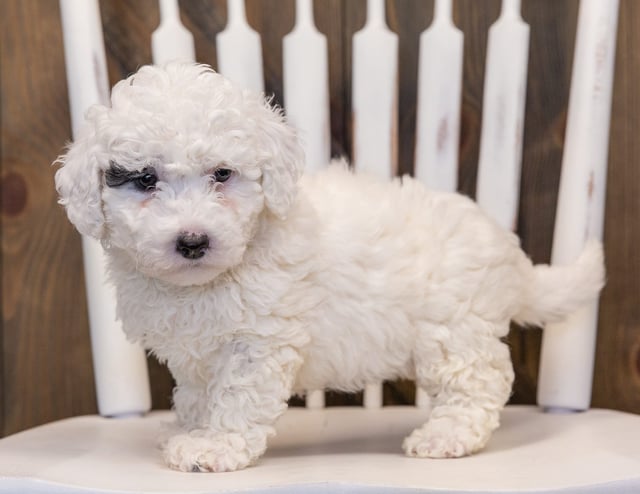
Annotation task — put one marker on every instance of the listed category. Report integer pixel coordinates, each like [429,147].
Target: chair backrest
[568,348]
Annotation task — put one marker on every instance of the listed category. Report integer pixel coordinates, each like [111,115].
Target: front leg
[229,417]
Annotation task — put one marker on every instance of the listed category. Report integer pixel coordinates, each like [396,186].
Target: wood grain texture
[272,19]
[205,19]
[474,19]
[45,361]
[408,18]
[552,34]
[617,375]
[330,21]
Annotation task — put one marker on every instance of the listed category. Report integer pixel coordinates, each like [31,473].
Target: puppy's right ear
[78,183]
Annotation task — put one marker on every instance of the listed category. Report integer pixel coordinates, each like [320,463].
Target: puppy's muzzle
[192,245]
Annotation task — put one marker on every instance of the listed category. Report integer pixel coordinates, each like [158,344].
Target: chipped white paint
[505,85]
[306,86]
[375,74]
[568,349]
[239,49]
[120,368]
[171,40]
[439,96]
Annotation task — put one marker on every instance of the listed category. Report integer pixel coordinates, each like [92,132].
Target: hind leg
[467,372]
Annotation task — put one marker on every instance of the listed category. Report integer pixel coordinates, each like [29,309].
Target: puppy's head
[177,171]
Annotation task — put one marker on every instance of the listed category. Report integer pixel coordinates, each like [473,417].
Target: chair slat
[375,108]
[120,368]
[306,101]
[373,395]
[566,365]
[311,448]
[239,49]
[439,96]
[306,86]
[171,41]
[315,399]
[503,116]
[375,74]
[438,111]
[422,400]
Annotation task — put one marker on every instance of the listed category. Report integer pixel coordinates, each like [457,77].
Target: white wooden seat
[341,449]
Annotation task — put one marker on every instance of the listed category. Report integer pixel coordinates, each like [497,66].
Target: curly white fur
[330,281]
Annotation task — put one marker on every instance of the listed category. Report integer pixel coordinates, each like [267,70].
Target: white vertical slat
[505,85]
[375,74]
[439,96]
[306,100]
[239,49]
[306,86]
[438,117]
[171,40]
[315,399]
[372,395]
[568,348]
[120,368]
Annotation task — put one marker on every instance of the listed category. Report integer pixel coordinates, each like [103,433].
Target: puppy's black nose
[192,245]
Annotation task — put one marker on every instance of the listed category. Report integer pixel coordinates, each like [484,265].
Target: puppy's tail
[557,291]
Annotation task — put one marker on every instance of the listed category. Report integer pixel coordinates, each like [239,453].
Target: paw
[204,451]
[442,438]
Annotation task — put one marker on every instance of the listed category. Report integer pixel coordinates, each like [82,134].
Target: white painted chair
[358,449]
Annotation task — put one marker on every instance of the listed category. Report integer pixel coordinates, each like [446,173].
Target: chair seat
[335,450]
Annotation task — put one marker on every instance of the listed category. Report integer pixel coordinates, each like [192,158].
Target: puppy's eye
[146,181]
[222,174]
[143,180]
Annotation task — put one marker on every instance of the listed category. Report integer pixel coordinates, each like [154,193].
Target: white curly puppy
[253,285]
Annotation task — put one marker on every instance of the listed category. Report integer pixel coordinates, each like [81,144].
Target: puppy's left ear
[78,185]
[282,170]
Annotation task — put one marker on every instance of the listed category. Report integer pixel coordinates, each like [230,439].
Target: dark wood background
[45,360]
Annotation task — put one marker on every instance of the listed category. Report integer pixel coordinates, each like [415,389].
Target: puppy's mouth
[197,266]
[187,273]
[188,259]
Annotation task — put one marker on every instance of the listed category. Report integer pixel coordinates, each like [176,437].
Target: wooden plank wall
[45,362]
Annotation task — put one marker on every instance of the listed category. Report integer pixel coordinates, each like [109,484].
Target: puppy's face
[183,219]
[185,165]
